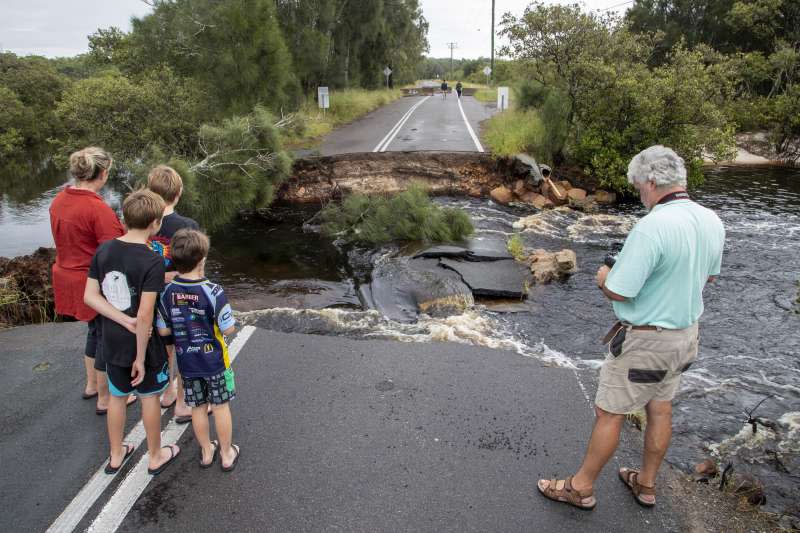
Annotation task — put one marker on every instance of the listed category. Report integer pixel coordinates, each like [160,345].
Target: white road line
[88,495]
[387,140]
[469,128]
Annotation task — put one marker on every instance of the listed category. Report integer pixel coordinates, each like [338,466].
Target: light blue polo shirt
[665,263]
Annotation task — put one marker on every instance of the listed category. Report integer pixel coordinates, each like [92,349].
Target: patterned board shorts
[644,365]
[215,390]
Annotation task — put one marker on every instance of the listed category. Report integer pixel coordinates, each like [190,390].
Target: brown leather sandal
[630,477]
[566,494]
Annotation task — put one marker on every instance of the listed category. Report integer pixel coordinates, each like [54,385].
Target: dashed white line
[469,128]
[136,481]
[387,140]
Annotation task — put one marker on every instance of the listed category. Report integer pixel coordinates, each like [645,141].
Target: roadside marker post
[387,72]
[502,98]
[323,99]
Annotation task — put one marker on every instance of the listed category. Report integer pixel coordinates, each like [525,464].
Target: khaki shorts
[644,365]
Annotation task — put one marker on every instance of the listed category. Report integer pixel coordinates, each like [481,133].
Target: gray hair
[658,164]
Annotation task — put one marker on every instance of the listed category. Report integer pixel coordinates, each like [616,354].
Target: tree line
[686,74]
[210,85]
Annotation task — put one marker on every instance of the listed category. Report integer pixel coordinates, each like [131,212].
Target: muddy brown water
[750,330]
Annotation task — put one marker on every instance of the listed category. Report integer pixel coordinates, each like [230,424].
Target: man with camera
[656,286]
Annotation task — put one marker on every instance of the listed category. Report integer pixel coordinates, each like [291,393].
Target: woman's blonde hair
[87,164]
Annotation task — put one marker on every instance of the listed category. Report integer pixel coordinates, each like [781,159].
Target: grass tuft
[514,131]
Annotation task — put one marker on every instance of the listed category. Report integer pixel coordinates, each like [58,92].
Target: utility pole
[452,46]
[492,63]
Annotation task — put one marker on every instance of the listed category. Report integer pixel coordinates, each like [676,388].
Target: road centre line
[469,128]
[88,495]
[386,141]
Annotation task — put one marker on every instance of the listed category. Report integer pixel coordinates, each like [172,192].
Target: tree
[37,86]
[15,119]
[127,116]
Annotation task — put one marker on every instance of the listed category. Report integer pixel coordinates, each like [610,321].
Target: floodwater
[750,332]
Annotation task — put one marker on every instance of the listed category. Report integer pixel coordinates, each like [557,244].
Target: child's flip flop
[235,460]
[156,471]
[215,444]
[129,449]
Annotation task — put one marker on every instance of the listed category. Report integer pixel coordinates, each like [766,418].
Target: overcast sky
[59,27]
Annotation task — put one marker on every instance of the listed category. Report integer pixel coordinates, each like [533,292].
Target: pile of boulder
[549,193]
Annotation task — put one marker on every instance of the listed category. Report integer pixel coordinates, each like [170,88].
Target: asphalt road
[336,434]
[413,123]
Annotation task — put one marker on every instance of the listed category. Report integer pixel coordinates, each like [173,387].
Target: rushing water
[750,333]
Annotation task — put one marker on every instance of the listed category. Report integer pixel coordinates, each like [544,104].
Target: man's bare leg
[603,443]
[657,436]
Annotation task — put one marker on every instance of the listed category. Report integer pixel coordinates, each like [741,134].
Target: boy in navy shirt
[125,278]
[167,183]
[196,312]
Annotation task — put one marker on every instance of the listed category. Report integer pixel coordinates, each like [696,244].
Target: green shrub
[516,247]
[515,131]
[407,216]
[530,94]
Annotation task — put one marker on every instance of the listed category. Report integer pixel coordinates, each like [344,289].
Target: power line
[617,5]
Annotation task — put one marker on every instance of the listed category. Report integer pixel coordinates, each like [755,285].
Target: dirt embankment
[26,292]
[319,179]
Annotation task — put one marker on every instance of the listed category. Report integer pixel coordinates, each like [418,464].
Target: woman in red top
[80,221]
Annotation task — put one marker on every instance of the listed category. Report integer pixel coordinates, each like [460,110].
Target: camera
[611,257]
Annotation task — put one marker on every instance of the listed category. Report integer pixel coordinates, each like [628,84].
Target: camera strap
[671,197]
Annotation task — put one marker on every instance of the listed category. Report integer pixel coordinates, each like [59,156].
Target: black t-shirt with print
[173,222]
[124,271]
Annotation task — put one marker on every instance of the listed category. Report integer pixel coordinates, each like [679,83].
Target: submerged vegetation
[407,216]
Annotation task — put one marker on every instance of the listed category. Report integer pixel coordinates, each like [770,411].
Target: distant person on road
[167,183]
[80,221]
[444,89]
[125,279]
[459,88]
[197,313]
[656,287]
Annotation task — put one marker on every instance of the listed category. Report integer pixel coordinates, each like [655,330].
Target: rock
[587,204]
[502,195]
[529,197]
[475,251]
[519,188]
[540,202]
[576,194]
[707,467]
[605,197]
[554,192]
[566,185]
[552,266]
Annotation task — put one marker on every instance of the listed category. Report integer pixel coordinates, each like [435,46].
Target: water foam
[471,327]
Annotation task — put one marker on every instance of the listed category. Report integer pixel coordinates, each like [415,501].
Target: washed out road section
[341,434]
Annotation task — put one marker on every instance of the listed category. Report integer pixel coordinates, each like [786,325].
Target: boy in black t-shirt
[167,183]
[125,278]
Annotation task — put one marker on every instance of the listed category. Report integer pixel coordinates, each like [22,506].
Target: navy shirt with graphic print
[197,312]
[124,271]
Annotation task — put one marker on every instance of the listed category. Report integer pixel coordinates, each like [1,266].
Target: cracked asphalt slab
[436,124]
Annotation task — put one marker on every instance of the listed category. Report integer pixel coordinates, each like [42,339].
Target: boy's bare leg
[117,410]
[101,379]
[91,377]
[151,418]
[181,409]
[171,392]
[224,425]
[200,427]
